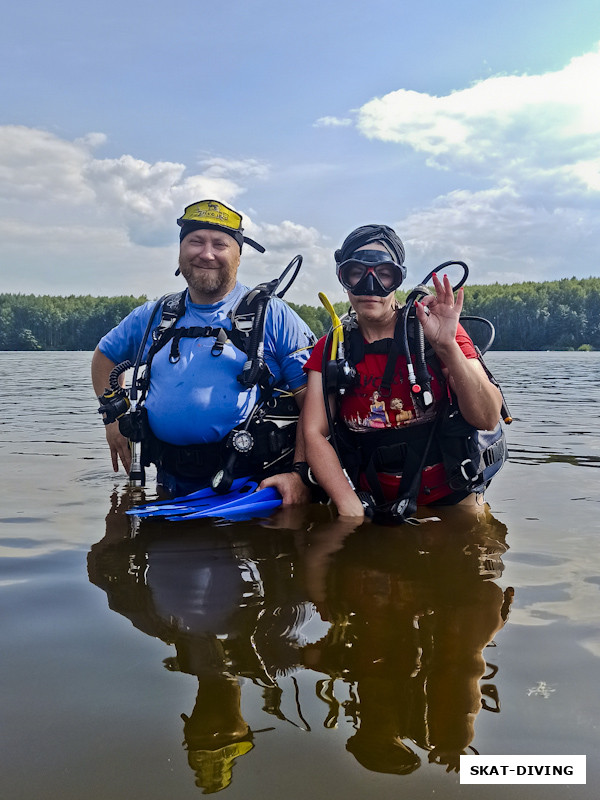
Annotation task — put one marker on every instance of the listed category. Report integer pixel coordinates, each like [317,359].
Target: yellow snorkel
[337,374]
[337,340]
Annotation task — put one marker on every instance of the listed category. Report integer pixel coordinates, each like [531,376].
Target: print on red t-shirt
[364,408]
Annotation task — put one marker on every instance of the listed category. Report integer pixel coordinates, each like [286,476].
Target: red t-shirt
[363,409]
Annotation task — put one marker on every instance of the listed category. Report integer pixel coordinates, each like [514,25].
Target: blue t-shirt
[199,399]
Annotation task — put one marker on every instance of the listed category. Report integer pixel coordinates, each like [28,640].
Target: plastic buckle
[467,470]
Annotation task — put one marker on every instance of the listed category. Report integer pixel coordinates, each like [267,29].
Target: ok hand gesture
[439,314]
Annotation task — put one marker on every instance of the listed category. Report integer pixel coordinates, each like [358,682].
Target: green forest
[553,315]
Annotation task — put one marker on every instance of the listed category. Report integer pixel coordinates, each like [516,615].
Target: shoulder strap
[355,351]
[248,327]
[243,316]
[358,348]
[248,334]
[172,308]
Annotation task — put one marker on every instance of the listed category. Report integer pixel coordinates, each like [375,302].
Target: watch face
[217,478]
[401,506]
[243,441]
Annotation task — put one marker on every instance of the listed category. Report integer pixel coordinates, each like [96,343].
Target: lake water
[293,657]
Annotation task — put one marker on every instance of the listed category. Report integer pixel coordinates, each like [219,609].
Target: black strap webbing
[176,334]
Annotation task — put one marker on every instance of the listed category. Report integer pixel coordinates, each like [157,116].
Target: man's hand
[119,447]
[118,444]
[290,487]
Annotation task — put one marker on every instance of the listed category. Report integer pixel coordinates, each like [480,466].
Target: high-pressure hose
[114,403]
[113,378]
[254,365]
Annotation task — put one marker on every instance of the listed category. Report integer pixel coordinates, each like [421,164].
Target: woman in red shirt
[370,266]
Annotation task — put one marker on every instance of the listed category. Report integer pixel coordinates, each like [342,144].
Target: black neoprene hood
[367,234]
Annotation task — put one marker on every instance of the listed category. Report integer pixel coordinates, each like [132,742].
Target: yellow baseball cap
[213,214]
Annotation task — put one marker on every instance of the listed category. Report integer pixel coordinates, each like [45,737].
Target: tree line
[552,315]
[46,322]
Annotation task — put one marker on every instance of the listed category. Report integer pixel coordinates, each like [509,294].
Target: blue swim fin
[201,499]
[247,506]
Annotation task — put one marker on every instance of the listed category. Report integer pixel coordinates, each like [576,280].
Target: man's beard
[209,282]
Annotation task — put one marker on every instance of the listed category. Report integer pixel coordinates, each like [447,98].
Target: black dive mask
[370,272]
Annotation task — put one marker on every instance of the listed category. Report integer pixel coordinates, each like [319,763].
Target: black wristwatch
[302,468]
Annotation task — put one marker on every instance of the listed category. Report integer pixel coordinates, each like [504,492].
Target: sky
[473,129]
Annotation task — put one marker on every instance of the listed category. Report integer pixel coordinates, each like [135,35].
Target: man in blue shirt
[195,399]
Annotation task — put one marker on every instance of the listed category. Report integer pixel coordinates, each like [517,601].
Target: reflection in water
[405,615]
[410,620]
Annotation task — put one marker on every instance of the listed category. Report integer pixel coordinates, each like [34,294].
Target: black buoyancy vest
[471,457]
[272,429]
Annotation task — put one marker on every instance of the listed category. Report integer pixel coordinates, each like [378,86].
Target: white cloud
[287,235]
[63,182]
[73,222]
[332,122]
[38,166]
[92,140]
[76,224]
[222,167]
[532,142]
[518,126]
[502,236]
[284,241]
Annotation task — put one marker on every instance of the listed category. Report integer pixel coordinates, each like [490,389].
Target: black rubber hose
[256,335]
[113,378]
[330,425]
[140,352]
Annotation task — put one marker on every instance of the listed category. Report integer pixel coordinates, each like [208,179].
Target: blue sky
[473,129]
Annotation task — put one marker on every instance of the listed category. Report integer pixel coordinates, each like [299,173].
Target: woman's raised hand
[439,313]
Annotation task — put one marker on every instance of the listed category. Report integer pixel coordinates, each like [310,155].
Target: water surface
[293,657]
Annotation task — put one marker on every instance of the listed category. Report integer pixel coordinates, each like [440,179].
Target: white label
[522,769]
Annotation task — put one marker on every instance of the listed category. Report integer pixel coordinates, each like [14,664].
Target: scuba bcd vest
[471,457]
[263,443]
